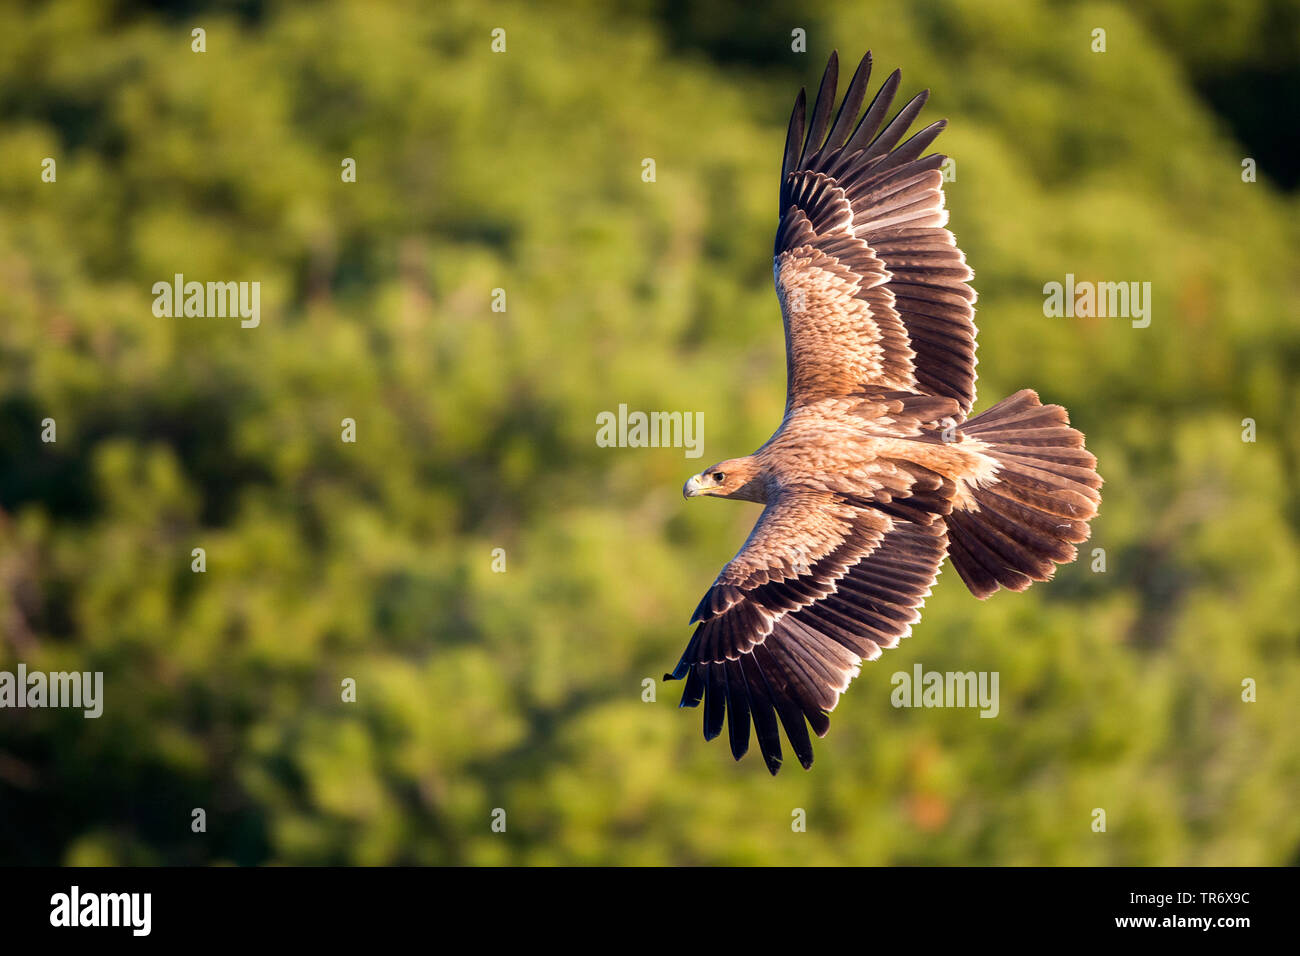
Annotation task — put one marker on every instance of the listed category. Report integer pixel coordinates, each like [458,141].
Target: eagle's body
[876,473]
[849,446]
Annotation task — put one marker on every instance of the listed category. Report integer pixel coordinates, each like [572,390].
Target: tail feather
[1015,528]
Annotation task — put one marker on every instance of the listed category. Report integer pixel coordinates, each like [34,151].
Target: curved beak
[692,487]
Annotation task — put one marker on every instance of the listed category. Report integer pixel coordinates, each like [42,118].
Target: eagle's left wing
[819,585]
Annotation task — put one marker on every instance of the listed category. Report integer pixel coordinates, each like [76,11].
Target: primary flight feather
[876,473]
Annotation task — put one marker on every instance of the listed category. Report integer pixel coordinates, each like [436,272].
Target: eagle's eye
[719,477]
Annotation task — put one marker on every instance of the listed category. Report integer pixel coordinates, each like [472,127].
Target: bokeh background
[522,690]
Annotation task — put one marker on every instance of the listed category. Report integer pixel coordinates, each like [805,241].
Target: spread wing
[872,287]
[819,585]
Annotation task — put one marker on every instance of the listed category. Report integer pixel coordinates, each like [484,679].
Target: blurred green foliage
[476,430]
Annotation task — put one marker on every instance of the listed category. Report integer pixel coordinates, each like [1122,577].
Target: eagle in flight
[876,472]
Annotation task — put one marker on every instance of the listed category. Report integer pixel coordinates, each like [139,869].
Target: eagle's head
[733,478]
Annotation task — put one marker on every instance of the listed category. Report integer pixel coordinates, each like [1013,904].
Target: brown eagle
[876,473]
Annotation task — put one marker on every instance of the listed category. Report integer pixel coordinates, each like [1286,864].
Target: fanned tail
[1017,527]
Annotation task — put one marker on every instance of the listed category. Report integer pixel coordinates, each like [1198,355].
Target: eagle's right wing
[872,286]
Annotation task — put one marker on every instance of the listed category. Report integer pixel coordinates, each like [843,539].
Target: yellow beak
[692,487]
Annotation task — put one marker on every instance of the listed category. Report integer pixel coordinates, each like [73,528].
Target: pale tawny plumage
[875,473]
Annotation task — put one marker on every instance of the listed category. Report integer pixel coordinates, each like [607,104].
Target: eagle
[876,473]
